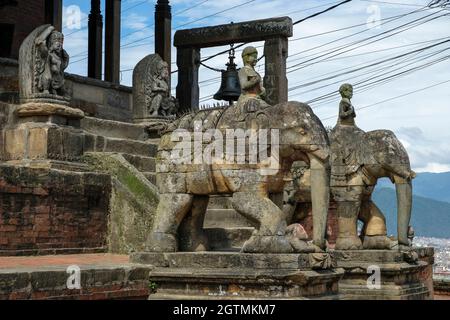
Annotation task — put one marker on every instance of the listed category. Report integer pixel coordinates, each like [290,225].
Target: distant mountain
[429,185]
[430,218]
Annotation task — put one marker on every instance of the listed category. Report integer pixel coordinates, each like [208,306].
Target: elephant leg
[171,210]
[404,205]
[269,220]
[348,207]
[374,232]
[191,234]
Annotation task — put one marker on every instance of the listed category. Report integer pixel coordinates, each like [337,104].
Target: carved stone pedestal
[221,275]
[400,278]
[44,135]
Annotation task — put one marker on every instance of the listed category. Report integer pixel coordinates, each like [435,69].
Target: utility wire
[322,12]
[369,65]
[387,34]
[369,83]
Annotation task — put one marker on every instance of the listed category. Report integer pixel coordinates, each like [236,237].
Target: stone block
[399,279]
[212,275]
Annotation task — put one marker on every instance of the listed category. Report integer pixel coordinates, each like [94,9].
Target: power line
[322,12]
[394,3]
[386,21]
[368,65]
[417,22]
[366,84]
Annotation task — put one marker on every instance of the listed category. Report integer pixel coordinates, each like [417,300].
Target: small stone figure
[151,92]
[42,61]
[159,88]
[347,113]
[52,63]
[253,92]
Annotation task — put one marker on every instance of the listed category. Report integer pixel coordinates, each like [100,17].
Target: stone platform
[400,278]
[103,276]
[229,275]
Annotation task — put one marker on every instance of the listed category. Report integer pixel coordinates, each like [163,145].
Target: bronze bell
[230,88]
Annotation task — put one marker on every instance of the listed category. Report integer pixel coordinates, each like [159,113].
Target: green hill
[429,185]
[430,218]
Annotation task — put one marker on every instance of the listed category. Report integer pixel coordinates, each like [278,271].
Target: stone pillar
[95,41]
[163,31]
[53,13]
[187,89]
[275,80]
[112,41]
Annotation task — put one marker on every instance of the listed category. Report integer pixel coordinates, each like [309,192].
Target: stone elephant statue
[358,159]
[296,133]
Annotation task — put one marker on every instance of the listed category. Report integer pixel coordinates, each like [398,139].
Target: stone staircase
[127,139]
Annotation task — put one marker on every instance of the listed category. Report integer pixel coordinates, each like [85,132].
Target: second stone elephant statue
[358,159]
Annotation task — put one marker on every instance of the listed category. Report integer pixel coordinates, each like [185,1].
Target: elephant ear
[383,147]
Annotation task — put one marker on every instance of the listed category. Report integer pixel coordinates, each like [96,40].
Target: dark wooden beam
[275,80]
[250,31]
[53,13]
[112,41]
[188,90]
[163,31]
[95,25]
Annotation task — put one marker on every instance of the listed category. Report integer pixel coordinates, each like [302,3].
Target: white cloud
[435,167]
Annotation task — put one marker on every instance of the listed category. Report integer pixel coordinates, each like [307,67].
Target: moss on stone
[132,203]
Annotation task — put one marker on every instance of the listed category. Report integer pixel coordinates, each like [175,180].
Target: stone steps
[228,275]
[227,239]
[94,143]
[225,218]
[141,163]
[114,129]
[102,277]
[151,176]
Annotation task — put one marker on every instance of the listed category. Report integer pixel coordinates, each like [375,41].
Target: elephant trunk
[404,205]
[320,196]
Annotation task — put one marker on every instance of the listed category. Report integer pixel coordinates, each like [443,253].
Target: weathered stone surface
[132,202]
[42,61]
[206,275]
[248,31]
[48,109]
[98,282]
[151,91]
[399,280]
[230,260]
[227,238]
[113,129]
[41,141]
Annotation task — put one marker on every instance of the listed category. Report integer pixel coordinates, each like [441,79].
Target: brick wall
[50,211]
[26,16]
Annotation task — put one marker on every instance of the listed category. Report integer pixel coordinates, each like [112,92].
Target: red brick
[40,191]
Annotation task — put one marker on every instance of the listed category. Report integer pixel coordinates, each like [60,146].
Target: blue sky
[420,120]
